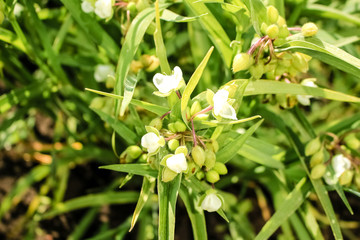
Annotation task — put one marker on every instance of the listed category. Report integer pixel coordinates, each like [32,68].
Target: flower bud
[263,28]
[242,61]
[200,175]
[220,168]
[317,158]
[198,155]
[136,66]
[143,158]
[318,171]
[257,70]
[180,126]
[346,177]
[272,31]
[212,176]
[156,123]
[134,151]
[131,7]
[313,146]
[309,29]
[173,144]
[283,32]
[210,159]
[192,167]
[272,14]
[171,127]
[211,203]
[195,108]
[281,21]
[182,149]
[213,146]
[150,62]
[168,175]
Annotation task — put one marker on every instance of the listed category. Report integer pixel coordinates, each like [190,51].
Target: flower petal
[340,164]
[150,142]
[228,112]
[303,99]
[177,163]
[211,203]
[163,83]
[219,99]
[87,7]
[103,8]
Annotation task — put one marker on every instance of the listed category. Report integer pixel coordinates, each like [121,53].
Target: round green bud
[263,28]
[143,158]
[156,123]
[173,144]
[192,167]
[281,21]
[272,14]
[200,175]
[168,175]
[346,177]
[210,159]
[313,146]
[309,29]
[213,146]
[180,126]
[212,176]
[127,159]
[171,127]
[272,31]
[195,108]
[257,70]
[317,158]
[131,7]
[242,61]
[134,151]
[198,155]
[182,149]
[318,171]
[220,168]
[283,32]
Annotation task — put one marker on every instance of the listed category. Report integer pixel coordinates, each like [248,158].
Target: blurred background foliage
[52,142]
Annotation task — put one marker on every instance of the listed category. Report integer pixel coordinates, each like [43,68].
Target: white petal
[87,7]
[103,8]
[228,111]
[102,72]
[329,178]
[150,142]
[340,163]
[303,99]
[177,75]
[177,163]
[220,98]
[211,203]
[163,83]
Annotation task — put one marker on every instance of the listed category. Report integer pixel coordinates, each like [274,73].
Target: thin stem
[294,28]
[178,94]
[257,44]
[193,131]
[205,110]
[165,114]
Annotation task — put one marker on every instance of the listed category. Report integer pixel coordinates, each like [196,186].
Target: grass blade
[135,168]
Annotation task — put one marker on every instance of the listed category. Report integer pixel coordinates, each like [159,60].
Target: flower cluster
[102,8]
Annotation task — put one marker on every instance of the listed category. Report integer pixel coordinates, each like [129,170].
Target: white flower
[87,6]
[177,163]
[222,107]
[339,164]
[18,8]
[103,8]
[165,84]
[211,203]
[103,71]
[152,142]
[305,99]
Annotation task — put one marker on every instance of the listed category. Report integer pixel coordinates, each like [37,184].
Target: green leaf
[92,200]
[324,52]
[195,212]
[168,193]
[170,16]
[141,169]
[9,37]
[291,203]
[215,31]
[230,150]
[146,189]
[125,133]
[214,123]
[159,43]
[258,14]
[130,84]
[158,110]
[93,29]
[195,77]
[275,87]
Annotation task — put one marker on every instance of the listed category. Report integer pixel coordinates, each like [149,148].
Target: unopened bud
[200,175]
[242,61]
[220,168]
[180,126]
[213,146]
[272,14]
[318,171]
[198,155]
[131,7]
[346,177]
[171,127]
[168,175]
[192,167]
[272,31]
[263,28]
[212,176]
[150,62]
[195,108]
[309,29]
[173,144]
[281,21]
[134,151]
[313,146]
[143,158]
[317,158]
[136,66]
[156,123]
[283,32]
[210,159]
[182,149]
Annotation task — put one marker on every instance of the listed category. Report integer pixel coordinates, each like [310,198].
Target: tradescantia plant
[223,108]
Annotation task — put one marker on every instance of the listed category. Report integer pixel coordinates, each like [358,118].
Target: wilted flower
[103,71]
[166,84]
[177,163]
[211,203]
[222,107]
[340,164]
[305,99]
[152,142]
[103,8]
